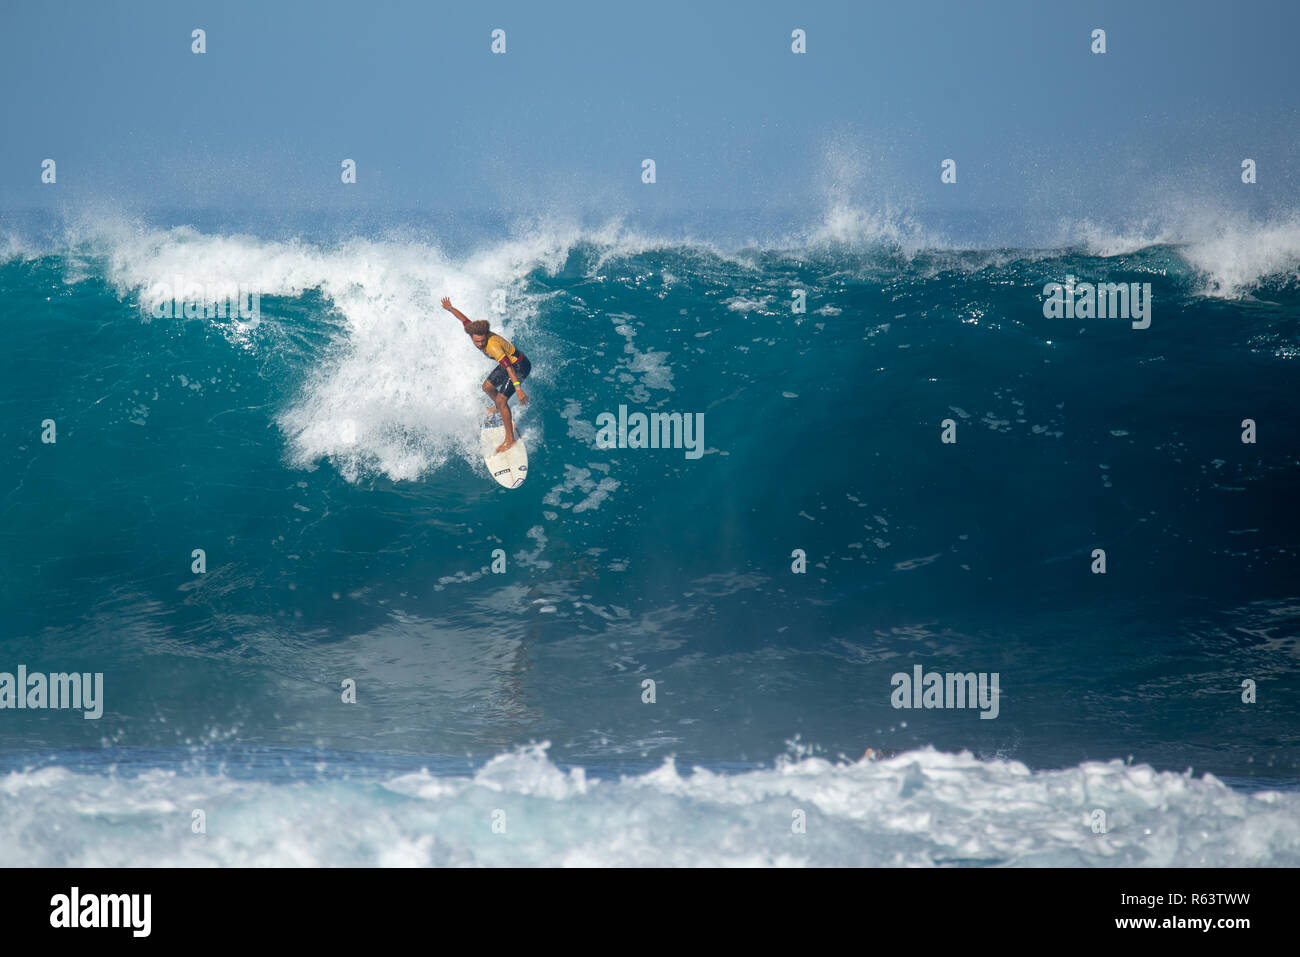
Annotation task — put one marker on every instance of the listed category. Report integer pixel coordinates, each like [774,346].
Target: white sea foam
[1229,255]
[843,223]
[10,247]
[398,390]
[1234,258]
[921,808]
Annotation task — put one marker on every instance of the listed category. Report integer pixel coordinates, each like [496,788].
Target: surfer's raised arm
[446,304]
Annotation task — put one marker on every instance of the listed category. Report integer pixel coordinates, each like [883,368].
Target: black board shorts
[501,380]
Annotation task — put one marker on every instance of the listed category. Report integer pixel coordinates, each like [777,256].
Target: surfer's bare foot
[505,445]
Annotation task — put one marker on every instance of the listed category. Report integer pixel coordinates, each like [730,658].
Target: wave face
[323,456]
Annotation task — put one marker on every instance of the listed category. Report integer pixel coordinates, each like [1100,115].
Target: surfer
[507,378]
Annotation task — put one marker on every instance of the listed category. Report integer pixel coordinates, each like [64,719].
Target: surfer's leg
[502,403]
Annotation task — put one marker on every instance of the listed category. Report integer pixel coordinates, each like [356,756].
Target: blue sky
[711,91]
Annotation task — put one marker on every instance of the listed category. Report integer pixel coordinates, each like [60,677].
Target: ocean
[324,635]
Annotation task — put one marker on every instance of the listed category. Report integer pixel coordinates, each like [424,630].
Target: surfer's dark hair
[479,327]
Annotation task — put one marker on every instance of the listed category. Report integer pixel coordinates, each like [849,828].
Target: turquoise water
[324,457]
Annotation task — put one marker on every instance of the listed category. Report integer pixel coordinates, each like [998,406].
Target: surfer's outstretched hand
[522,398]
[446,303]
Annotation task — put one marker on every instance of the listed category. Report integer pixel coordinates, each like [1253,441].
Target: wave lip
[1231,258]
[918,809]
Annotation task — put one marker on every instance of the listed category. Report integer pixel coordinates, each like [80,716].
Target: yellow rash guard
[512,365]
[500,349]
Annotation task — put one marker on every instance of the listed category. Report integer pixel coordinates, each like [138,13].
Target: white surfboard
[510,467]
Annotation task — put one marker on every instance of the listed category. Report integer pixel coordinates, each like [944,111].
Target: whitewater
[920,809]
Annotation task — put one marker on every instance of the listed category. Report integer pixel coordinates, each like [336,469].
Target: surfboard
[510,467]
